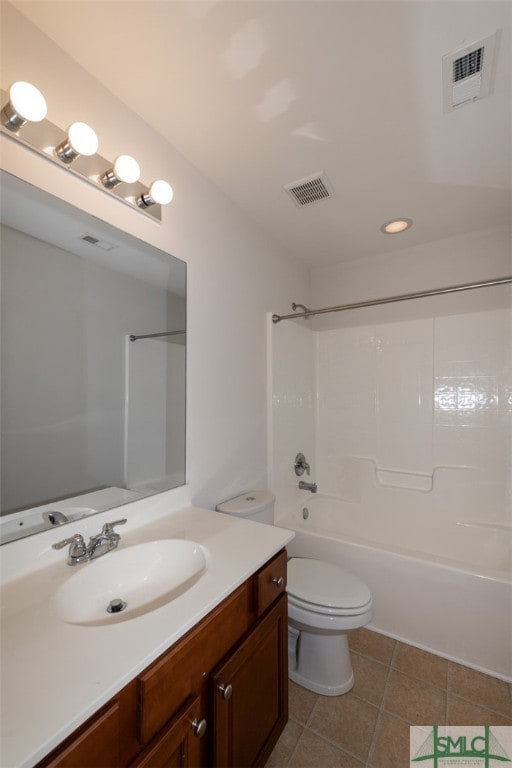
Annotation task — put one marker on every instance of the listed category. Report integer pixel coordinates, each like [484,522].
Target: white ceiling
[260,94]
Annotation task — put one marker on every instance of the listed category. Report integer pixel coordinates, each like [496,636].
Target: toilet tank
[252,505]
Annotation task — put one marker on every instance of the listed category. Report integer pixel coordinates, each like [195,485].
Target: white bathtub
[458,607]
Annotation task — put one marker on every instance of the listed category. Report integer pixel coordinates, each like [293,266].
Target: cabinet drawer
[96,743]
[271,582]
[165,686]
[177,745]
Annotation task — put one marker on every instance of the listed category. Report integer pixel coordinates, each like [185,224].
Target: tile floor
[396,686]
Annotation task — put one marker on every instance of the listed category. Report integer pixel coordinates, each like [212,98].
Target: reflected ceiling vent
[468,73]
[310,190]
[103,244]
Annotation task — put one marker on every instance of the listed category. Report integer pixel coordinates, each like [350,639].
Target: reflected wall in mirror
[90,419]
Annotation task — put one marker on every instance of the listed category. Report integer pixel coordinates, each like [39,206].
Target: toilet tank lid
[248,503]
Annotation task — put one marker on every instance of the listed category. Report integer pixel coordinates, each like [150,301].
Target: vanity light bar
[23,118]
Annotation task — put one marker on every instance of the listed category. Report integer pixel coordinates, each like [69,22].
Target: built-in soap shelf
[411,481]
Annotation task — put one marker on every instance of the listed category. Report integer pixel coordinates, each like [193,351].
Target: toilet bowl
[325,602]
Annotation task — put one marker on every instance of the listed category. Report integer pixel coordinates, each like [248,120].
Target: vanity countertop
[55,675]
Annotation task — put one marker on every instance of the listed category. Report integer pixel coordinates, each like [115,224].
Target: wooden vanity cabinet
[179,712]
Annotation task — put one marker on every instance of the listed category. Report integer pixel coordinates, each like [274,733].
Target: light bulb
[126,169]
[26,102]
[161,192]
[83,139]
[396,226]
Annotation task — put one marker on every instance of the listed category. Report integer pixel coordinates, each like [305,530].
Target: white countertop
[55,675]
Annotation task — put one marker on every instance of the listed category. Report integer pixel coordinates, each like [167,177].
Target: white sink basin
[145,577]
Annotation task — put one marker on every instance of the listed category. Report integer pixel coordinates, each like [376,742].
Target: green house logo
[464,746]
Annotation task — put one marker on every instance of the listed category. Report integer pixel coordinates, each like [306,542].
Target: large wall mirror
[93,359]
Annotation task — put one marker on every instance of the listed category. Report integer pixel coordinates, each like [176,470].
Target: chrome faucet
[77,550]
[54,517]
[98,545]
[308,486]
[106,540]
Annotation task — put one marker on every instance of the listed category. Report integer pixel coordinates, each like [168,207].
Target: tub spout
[54,517]
[307,486]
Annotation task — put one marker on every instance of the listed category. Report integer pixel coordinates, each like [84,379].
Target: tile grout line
[447,693]
[315,705]
[294,750]
[368,756]
[336,744]
[420,679]
[479,704]
[303,726]
[369,658]
[381,705]
[372,658]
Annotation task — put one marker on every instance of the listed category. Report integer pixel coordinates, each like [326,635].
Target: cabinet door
[180,672]
[95,744]
[178,744]
[249,716]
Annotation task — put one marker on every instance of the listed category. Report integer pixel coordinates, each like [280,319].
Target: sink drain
[116,606]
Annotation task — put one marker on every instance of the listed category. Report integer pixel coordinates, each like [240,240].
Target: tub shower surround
[408,429]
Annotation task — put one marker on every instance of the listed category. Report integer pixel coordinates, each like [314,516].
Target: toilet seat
[324,588]
[325,610]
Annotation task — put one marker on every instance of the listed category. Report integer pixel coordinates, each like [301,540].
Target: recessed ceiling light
[395,226]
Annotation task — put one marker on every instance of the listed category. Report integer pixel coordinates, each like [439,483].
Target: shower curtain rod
[155,335]
[391,299]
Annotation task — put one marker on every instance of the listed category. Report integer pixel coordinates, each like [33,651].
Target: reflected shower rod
[392,299]
[132,337]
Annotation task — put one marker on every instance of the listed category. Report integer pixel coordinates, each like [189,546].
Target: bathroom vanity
[199,681]
[217,697]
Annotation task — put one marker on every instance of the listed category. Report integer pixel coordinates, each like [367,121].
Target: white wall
[235,272]
[465,258]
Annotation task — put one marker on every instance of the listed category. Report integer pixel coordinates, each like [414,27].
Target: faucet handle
[78,552]
[109,527]
[77,542]
[301,465]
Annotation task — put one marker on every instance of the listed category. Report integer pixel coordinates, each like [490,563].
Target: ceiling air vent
[310,190]
[467,65]
[103,244]
[90,239]
[468,73]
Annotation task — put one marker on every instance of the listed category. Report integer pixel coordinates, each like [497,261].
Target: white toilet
[324,603]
